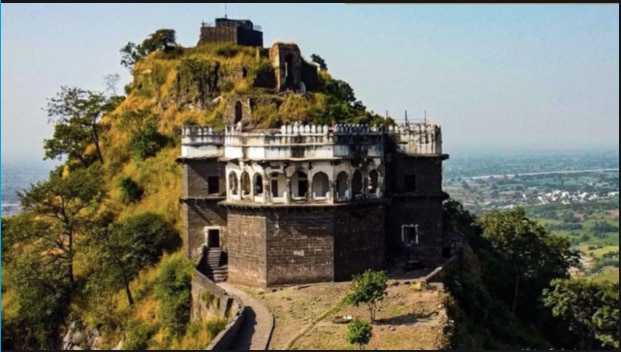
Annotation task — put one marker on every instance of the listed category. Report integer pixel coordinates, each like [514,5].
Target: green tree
[43,293]
[162,39]
[173,291]
[146,142]
[319,61]
[368,288]
[76,114]
[66,205]
[122,249]
[527,250]
[591,310]
[359,332]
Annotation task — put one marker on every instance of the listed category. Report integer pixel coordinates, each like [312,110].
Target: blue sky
[493,76]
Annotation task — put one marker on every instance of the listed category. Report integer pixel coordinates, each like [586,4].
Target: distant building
[241,32]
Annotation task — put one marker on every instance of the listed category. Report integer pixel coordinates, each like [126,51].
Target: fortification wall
[198,214]
[210,301]
[359,239]
[300,246]
[246,248]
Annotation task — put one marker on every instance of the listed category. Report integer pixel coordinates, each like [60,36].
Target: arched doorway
[245,184]
[233,184]
[238,112]
[356,183]
[321,185]
[341,185]
[373,182]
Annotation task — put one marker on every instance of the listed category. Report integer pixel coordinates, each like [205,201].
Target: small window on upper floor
[409,183]
[213,185]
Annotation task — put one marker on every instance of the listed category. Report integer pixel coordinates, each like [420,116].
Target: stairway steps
[211,265]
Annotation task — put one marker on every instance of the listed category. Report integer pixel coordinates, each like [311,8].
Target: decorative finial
[225,11]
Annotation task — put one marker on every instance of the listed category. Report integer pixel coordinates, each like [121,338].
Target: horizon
[494,77]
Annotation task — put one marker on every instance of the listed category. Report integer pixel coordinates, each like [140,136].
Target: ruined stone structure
[311,203]
[289,72]
[241,32]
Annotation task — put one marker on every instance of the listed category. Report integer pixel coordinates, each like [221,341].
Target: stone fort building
[309,203]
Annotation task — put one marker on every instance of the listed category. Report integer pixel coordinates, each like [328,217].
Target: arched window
[258,184]
[373,181]
[233,186]
[321,184]
[245,184]
[278,184]
[341,184]
[238,112]
[299,184]
[356,183]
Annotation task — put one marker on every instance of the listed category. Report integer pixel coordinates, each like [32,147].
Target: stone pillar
[331,194]
[288,198]
[267,193]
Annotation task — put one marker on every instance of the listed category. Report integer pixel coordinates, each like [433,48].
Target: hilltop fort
[306,202]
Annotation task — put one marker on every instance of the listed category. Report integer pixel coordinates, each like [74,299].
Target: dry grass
[407,319]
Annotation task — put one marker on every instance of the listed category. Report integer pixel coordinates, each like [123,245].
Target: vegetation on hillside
[515,292]
[97,243]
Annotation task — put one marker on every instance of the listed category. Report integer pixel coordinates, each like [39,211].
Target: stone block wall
[197,214]
[197,173]
[246,248]
[300,246]
[359,240]
[427,172]
[427,213]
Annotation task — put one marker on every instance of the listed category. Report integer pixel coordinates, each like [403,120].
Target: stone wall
[197,173]
[237,35]
[359,240]
[209,300]
[300,246]
[427,213]
[427,172]
[246,248]
[197,214]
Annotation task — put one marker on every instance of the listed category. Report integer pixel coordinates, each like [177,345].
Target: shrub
[146,142]
[359,332]
[130,191]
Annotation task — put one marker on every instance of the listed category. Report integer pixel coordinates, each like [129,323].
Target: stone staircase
[213,264]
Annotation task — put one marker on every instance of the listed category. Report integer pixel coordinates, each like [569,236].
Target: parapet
[340,141]
[417,138]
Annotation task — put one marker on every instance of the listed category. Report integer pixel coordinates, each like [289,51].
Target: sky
[494,77]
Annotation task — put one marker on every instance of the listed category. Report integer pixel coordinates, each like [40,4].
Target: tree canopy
[368,288]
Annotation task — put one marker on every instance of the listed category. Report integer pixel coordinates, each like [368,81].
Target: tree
[527,251]
[76,114]
[173,290]
[42,293]
[111,82]
[368,288]
[359,332]
[319,61]
[123,249]
[162,39]
[65,205]
[590,308]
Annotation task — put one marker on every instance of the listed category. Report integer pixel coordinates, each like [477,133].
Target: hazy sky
[496,76]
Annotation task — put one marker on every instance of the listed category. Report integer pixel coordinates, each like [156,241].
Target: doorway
[213,237]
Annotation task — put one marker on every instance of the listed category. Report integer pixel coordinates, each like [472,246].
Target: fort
[307,203]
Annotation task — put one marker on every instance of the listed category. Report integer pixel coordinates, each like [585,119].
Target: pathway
[258,324]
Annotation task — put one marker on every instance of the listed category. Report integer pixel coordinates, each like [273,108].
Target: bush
[146,142]
[173,291]
[130,190]
[369,288]
[359,332]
